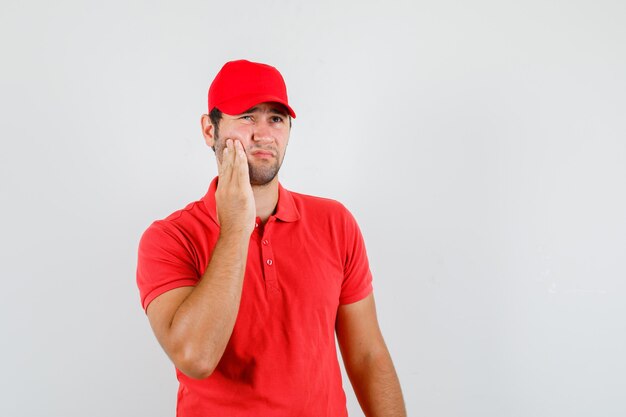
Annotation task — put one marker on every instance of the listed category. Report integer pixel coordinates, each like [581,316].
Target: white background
[481,145]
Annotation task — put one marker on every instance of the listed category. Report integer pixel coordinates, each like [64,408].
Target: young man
[245,288]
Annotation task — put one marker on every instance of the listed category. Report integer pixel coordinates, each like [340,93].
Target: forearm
[203,323]
[377,387]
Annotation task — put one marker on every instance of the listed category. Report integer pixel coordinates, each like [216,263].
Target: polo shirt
[305,261]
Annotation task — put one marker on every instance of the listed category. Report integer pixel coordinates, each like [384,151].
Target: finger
[227,161]
[242,165]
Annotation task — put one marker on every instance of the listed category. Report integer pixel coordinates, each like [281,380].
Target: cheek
[283,138]
[242,132]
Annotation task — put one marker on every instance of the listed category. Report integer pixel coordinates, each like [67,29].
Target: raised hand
[234,199]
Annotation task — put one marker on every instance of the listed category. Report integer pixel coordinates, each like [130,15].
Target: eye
[277,119]
[246,117]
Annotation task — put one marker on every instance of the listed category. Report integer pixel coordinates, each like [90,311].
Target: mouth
[261,153]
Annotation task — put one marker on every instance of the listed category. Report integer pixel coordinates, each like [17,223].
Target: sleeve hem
[165,288]
[358,296]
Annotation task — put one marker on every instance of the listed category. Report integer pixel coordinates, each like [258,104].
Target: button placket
[269,262]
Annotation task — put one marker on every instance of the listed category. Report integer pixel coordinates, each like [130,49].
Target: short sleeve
[163,263]
[357,281]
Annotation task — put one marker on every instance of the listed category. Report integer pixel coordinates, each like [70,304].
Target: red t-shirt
[281,359]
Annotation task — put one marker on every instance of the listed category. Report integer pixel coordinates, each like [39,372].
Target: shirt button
[266,242]
[256,225]
[269,262]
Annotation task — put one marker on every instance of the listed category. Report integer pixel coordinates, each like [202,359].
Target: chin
[262,176]
[262,179]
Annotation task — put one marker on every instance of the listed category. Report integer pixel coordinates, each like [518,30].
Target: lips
[262,153]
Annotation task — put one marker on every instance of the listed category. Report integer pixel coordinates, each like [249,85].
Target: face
[264,133]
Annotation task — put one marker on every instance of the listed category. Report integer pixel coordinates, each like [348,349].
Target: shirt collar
[286,209]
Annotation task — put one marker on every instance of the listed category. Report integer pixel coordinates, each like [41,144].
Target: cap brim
[241,104]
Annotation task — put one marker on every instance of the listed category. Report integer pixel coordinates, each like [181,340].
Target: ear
[207,130]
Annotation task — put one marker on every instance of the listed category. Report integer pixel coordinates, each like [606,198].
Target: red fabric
[281,359]
[242,84]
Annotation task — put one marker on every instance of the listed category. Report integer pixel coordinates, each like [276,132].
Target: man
[245,288]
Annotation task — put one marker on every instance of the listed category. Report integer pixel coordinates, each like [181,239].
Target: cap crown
[242,84]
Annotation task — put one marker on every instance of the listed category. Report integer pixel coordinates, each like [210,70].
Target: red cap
[242,84]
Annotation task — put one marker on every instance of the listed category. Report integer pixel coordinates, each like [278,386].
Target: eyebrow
[273,110]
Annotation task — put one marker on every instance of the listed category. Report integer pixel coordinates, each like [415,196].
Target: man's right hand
[236,211]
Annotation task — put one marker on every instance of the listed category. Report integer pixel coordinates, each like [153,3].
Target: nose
[262,132]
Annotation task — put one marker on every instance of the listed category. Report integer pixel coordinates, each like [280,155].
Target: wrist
[235,234]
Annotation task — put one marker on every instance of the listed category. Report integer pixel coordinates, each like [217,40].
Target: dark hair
[215,116]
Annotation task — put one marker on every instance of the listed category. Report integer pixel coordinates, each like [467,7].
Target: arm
[367,360]
[194,324]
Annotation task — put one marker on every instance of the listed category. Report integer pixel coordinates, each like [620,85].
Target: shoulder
[323,210]
[179,225]
[189,214]
[318,203]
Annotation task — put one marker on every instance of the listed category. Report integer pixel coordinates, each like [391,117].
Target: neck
[266,199]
